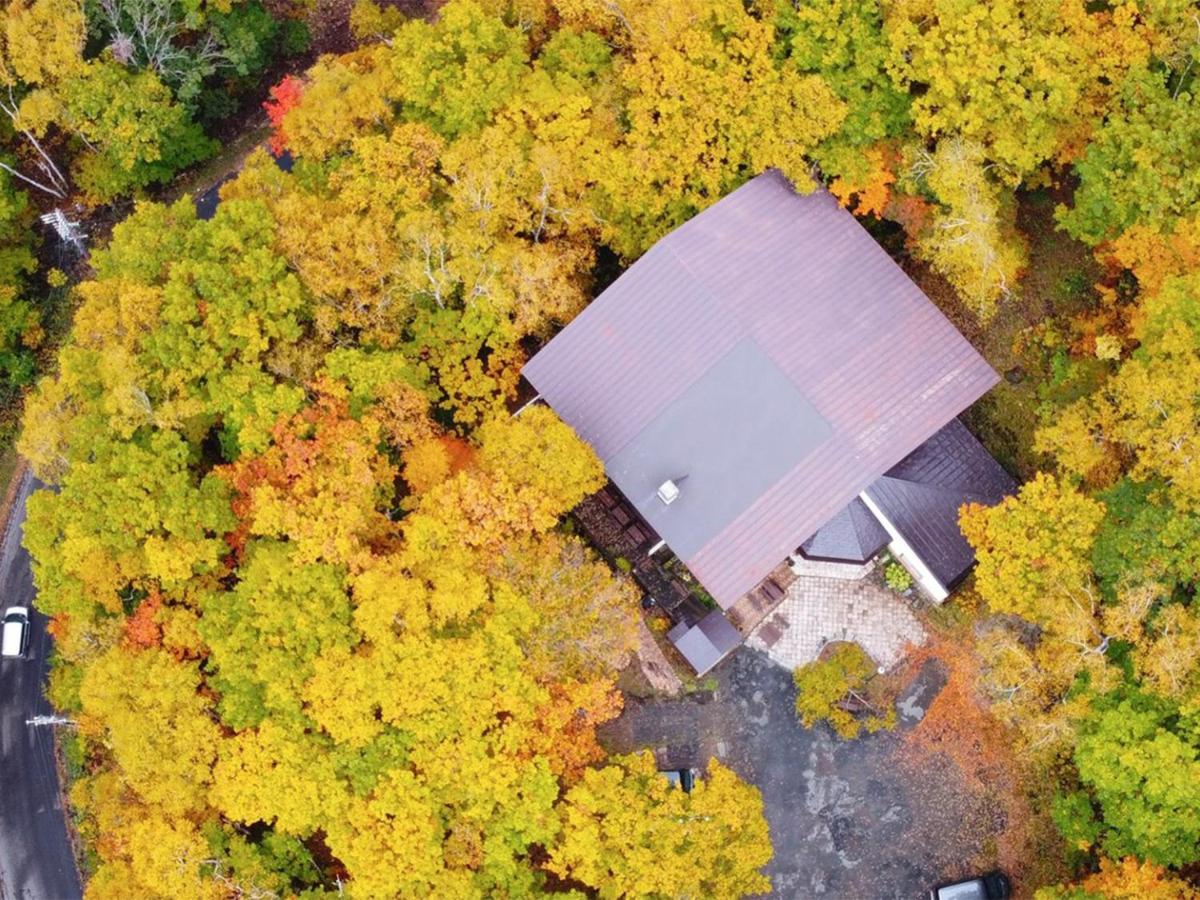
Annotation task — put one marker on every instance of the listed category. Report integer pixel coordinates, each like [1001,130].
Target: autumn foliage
[284,97]
[316,614]
[308,632]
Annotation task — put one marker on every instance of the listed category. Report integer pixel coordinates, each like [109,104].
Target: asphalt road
[35,853]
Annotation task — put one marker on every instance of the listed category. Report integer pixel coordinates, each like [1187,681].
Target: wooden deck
[758,604]
[615,528]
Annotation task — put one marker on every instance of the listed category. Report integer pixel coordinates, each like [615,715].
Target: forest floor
[846,819]
[1057,284]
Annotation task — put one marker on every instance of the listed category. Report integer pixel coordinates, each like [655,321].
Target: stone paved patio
[817,610]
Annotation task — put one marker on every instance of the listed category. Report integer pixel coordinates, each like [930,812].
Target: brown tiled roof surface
[802,279]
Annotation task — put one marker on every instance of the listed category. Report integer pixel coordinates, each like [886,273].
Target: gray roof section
[853,535]
[824,303]
[707,642]
[921,496]
[731,434]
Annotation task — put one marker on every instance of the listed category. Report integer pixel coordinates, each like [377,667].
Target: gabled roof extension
[707,642]
[853,535]
[921,496]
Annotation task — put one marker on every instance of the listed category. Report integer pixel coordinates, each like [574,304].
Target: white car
[14,639]
[992,886]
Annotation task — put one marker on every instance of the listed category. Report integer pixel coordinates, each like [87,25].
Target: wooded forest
[319,621]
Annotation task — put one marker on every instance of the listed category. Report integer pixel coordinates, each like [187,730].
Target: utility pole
[50,720]
[68,231]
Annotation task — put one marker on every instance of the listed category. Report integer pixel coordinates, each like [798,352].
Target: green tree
[1140,757]
[844,43]
[455,73]
[1140,166]
[265,634]
[1145,537]
[134,133]
[130,518]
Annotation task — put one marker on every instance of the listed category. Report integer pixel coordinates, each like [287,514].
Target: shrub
[824,687]
[897,577]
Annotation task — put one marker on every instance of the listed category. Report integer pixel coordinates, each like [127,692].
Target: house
[766,383]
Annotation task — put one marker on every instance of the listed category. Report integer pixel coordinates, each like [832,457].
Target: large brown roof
[826,366]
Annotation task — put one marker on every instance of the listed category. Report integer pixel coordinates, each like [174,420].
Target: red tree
[284,97]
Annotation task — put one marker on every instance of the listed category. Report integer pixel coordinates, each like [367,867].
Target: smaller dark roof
[853,535]
[707,642]
[921,496]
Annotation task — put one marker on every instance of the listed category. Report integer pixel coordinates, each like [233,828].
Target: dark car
[681,778]
[992,886]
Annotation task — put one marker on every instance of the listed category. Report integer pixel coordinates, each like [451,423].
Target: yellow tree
[1155,253]
[704,102]
[586,618]
[1127,879]
[1032,552]
[143,853]
[972,238]
[528,472]
[278,775]
[1146,412]
[1165,643]
[1034,689]
[344,97]
[145,707]
[392,843]
[323,484]
[41,44]
[627,832]
[1026,80]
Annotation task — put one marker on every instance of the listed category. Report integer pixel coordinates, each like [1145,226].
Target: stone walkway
[818,610]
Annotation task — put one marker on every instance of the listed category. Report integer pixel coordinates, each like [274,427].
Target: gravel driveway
[853,820]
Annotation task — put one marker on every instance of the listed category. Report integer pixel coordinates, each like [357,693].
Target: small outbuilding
[707,642]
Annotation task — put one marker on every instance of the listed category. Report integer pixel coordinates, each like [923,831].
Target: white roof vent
[668,492]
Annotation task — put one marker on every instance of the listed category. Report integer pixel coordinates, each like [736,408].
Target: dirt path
[654,664]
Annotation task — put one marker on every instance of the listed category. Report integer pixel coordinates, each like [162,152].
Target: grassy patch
[8,464]
[700,685]
[632,682]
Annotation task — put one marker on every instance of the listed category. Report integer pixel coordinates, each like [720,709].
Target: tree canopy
[316,610]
